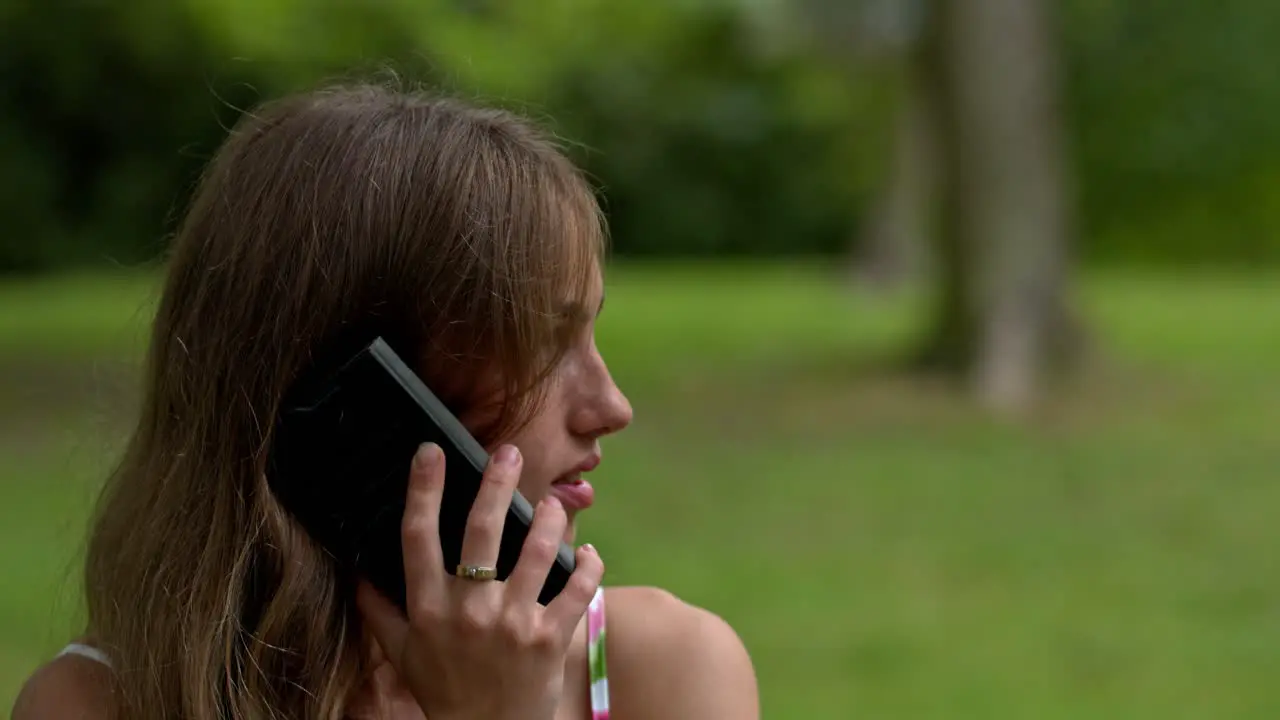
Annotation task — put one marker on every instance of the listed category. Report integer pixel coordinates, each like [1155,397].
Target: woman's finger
[571,604]
[483,538]
[538,553]
[424,572]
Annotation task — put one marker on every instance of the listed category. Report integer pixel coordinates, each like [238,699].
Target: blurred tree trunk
[892,244]
[1001,316]
[888,248]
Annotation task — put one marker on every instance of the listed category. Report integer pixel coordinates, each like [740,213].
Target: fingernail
[507,455]
[590,548]
[552,501]
[426,455]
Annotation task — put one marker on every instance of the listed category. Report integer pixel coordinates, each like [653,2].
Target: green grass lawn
[885,550]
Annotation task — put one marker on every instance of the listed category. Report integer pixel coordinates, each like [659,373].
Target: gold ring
[476,572]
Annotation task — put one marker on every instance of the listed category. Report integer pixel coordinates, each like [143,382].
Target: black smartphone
[340,463]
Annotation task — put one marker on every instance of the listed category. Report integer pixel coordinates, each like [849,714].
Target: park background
[951,325]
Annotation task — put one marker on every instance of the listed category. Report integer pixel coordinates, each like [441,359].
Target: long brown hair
[459,231]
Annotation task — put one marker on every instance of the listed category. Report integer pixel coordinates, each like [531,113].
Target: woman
[467,236]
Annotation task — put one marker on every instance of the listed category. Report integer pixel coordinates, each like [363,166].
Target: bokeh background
[951,325]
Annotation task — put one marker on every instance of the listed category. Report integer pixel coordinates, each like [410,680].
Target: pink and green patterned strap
[595,658]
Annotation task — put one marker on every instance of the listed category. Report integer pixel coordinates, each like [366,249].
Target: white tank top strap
[86,651]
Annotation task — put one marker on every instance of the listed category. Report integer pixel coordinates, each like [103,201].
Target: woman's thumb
[383,620]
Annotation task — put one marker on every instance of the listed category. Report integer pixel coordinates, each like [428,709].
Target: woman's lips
[574,493]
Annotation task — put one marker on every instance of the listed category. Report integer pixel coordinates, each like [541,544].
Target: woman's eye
[571,332]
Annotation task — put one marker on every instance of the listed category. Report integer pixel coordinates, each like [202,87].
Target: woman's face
[560,445]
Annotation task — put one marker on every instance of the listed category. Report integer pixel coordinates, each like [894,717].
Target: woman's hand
[480,649]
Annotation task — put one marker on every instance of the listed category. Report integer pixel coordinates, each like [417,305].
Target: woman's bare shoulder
[70,687]
[669,659]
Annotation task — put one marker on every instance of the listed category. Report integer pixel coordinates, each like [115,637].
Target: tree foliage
[709,129]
